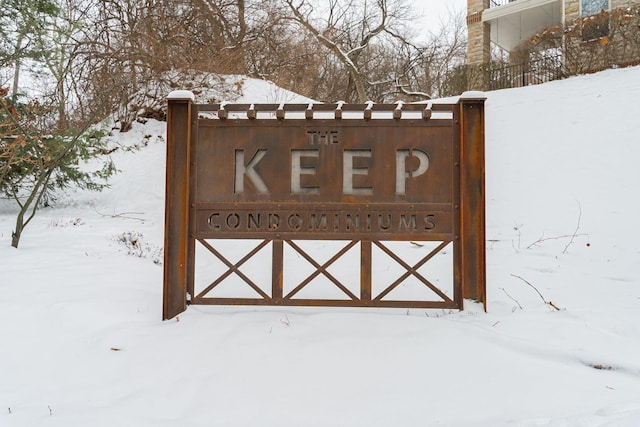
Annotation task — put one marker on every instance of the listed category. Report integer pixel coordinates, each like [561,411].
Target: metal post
[177,203]
[277,263]
[365,270]
[472,196]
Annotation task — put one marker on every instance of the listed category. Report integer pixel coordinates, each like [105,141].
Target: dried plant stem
[564,236]
[572,236]
[512,298]
[549,303]
[125,215]
[564,251]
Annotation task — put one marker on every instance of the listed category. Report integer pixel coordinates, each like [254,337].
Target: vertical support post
[472,197]
[365,270]
[277,267]
[191,241]
[457,251]
[176,214]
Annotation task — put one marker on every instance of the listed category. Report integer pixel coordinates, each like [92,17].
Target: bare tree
[444,50]
[143,46]
[348,29]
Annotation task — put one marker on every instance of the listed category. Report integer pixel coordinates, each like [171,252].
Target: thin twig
[572,236]
[516,227]
[536,289]
[285,321]
[121,215]
[512,298]
[544,239]
[564,251]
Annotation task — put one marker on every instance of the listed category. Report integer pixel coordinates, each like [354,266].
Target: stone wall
[618,46]
[478,33]
[571,9]
[478,44]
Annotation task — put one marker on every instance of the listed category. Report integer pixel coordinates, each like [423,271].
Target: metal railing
[538,71]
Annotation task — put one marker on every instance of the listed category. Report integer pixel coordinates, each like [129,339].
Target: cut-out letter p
[402,174]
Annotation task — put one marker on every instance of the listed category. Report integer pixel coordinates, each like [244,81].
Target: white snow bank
[80,307]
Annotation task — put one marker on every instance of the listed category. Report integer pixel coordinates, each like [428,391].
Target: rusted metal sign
[361,173]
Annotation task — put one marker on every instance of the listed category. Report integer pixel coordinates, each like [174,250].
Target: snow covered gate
[272,180]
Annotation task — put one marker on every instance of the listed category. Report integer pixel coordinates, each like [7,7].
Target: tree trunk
[16,70]
[34,198]
[62,107]
[15,236]
[357,78]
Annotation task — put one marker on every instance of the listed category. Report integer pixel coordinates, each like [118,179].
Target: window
[595,19]
[593,7]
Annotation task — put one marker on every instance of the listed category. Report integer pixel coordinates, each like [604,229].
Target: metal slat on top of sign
[339,110]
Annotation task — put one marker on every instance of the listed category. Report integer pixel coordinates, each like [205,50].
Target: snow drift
[83,344]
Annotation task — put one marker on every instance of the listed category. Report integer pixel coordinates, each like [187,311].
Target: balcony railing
[542,70]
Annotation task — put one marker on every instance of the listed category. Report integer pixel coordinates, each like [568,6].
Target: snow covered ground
[82,343]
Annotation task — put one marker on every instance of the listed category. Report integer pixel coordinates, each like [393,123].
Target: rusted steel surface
[277,273]
[323,153]
[329,303]
[325,179]
[363,173]
[472,200]
[176,207]
[191,242]
[365,270]
[324,221]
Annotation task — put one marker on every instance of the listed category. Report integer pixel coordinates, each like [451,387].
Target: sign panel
[331,180]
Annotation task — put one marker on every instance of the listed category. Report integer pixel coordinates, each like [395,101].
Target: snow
[181,94]
[473,94]
[82,343]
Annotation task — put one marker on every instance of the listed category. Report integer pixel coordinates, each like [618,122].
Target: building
[584,32]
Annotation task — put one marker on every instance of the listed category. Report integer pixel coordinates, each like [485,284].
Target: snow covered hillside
[82,343]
